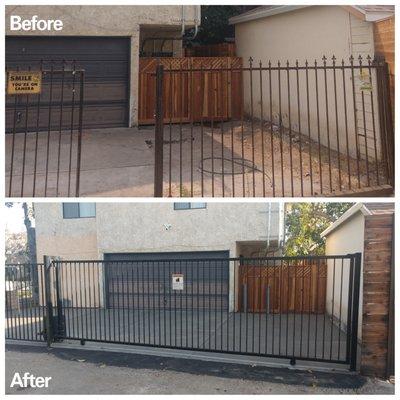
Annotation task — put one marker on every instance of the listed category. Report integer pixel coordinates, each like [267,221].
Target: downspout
[183,21]
[269,225]
[281,231]
[282,225]
[196,21]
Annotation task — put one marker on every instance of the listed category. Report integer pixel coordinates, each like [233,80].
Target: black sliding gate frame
[44,132]
[295,308]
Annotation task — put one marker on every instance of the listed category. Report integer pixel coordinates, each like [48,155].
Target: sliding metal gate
[44,131]
[298,308]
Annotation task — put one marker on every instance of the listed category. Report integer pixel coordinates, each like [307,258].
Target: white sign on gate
[177,281]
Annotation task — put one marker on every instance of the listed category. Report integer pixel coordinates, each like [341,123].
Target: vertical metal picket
[260,294]
[159,133]
[355,310]
[49,304]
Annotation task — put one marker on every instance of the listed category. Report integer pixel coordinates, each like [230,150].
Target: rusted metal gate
[44,132]
[194,304]
[320,128]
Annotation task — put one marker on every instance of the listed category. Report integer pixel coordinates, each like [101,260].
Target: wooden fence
[377,354]
[283,288]
[384,37]
[207,93]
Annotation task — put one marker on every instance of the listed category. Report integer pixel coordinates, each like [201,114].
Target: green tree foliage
[304,224]
[16,248]
[215,26]
[30,235]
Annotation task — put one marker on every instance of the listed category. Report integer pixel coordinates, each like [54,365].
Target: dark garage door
[106,91]
[146,281]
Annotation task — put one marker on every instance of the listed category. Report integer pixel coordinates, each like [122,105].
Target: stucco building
[75,231]
[309,33]
[106,41]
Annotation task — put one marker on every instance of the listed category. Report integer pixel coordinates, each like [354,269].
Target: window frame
[79,216]
[190,206]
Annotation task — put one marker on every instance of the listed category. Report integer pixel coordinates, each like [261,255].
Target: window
[79,210]
[189,206]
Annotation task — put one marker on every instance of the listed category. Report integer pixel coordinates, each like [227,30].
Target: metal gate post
[389,121]
[60,314]
[349,305]
[355,311]
[159,134]
[79,144]
[49,305]
[385,117]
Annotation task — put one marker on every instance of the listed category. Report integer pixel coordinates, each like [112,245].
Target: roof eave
[258,13]
[262,13]
[359,207]
[378,16]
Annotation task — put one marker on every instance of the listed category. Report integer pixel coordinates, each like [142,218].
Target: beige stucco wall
[347,238]
[113,20]
[70,239]
[309,34]
[141,227]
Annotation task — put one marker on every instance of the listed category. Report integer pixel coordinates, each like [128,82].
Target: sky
[14,218]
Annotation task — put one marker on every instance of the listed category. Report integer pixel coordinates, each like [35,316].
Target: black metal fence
[24,294]
[44,132]
[285,307]
[320,128]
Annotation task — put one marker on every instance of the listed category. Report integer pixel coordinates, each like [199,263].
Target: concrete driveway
[79,371]
[119,162]
[114,162]
[302,335]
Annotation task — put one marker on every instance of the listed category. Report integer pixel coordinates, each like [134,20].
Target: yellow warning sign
[24,82]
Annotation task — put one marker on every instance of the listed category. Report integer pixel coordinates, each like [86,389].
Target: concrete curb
[189,354]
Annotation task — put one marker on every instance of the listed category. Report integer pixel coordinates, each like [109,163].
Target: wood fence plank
[292,288]
[218,98]
[376,292]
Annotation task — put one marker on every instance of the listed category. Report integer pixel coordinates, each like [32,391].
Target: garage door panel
[66,45]
[170,302]
[111,113]
[104,115]
[148,284]
[115,91]
[103,70]
[106,65]
[43,120]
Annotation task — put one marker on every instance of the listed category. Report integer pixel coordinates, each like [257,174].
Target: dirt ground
[77,371]
[120,162]
[231,160]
